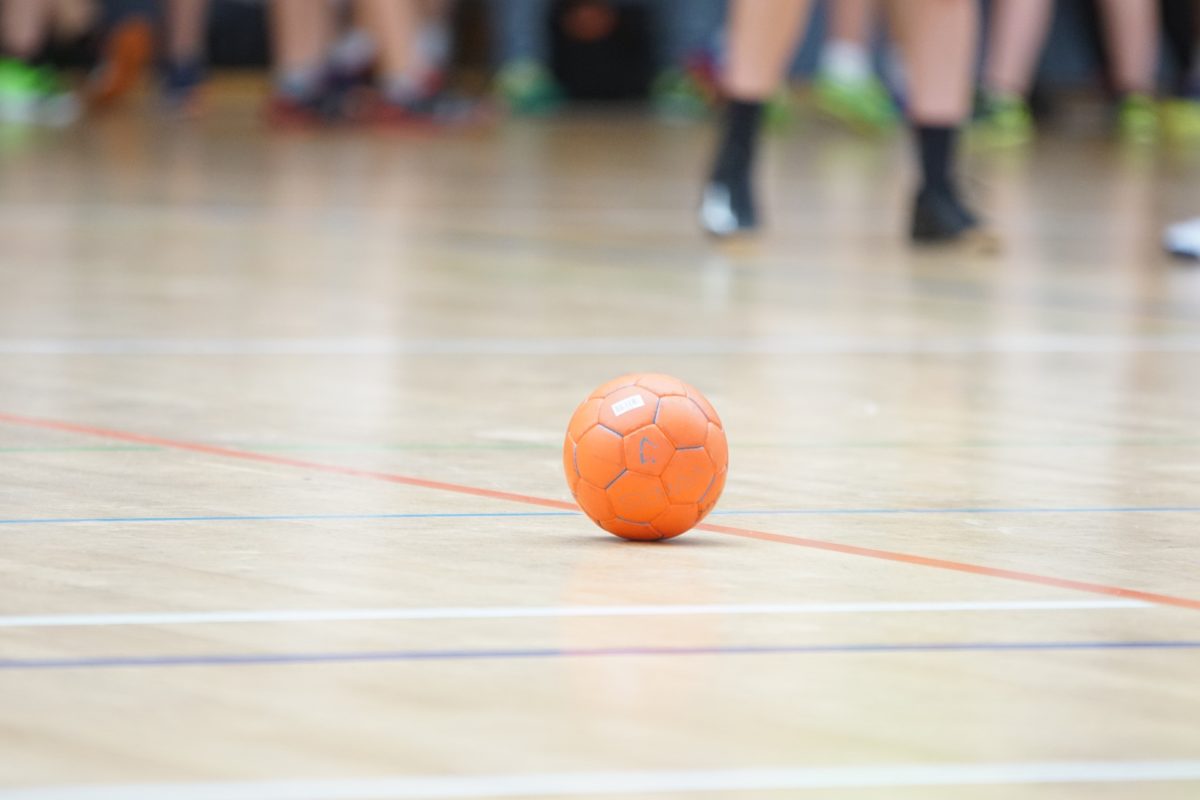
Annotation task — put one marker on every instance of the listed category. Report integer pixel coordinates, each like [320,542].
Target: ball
[646,456]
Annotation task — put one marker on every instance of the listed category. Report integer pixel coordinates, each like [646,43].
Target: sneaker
[181,84]
[34,95]
[128,51]
[528,89]
[1002,119]
[1181,119]
[438,108]
[779,113]
[289,111]
[678,94]
[1137,118]
[861,105]
[727,208]
[940,217]
[1183,239]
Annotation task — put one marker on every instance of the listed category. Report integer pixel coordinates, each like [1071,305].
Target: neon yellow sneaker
[1002,120]
[34,95]
[1137,119]
[862,105]
[779,113]
[1181,119]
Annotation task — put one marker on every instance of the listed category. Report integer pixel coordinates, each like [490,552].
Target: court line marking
[431,787]
[285,517]
[551,612]
[733,512]
[747,533]
[392,656]
[606,345]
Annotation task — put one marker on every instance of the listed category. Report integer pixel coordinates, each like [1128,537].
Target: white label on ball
[628,404]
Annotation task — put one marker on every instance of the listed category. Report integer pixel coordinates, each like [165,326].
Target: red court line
[746,533]
[265,458]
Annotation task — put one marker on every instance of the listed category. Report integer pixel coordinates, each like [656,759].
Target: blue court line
[252,659]
[749,512]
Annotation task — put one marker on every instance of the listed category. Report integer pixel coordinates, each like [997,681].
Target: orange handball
[646,456]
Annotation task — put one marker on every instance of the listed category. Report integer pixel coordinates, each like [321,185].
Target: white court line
[609,783]
[601,346]
[524,612]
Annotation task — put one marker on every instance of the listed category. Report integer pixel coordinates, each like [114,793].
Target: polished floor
[282,512]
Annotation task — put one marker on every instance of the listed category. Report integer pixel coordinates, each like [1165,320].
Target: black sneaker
[727,208]
[939,216]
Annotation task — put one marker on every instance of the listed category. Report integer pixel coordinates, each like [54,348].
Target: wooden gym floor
[266,400]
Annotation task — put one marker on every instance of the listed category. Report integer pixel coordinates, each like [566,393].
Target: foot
[1002,119]
[528,89]
[127,54]
[1137,119]
[181,83]
[34,95]
[940,216]
[440,108]
[1181,119]
[679,94]
[727,208]
[285,110]
[863,105]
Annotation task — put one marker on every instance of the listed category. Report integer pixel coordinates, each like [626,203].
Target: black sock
[739,141]
[936,146]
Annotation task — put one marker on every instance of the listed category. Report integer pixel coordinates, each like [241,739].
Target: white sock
[845,61]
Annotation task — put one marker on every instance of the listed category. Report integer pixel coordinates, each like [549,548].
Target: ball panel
[637,498]
[648,451]
[600,456]
[677,519]
[662,385]
[705,406]
[628,409]
[585,417]
[608,388]
[688,476]
[594,502]
[682,421]
[639,531]
[712,494]
[717,447]
[569,463]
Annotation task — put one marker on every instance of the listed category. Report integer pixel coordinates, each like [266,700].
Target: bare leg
[23,25]
[1018,32]
[395,25]
[1132,32]
[939,40]
[301,34]
[851,20]
[762,39]
[186,28]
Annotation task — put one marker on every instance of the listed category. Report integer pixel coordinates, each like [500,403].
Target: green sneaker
[779,113]
[676,94]
[1181,119]
[1002,120]
[528,89]
[34,95]
[862,105]
[1137,119]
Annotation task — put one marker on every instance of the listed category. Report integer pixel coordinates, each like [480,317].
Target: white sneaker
[1183,239]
